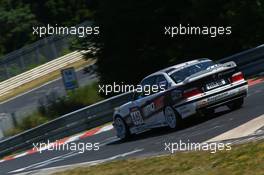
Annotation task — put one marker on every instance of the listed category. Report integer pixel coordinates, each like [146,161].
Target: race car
[197,86]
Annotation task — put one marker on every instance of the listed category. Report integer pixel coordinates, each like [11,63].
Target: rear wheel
[236,104]
[121,128]
[172,118]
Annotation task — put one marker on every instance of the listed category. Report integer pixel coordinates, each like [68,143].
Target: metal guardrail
[101,112]
[72,123]
[250,61]
[16,81]
[37,53]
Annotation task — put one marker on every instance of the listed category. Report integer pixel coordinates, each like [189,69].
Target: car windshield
[182,74]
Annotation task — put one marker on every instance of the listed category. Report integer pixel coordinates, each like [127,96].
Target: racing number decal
[147,111]
[136,117]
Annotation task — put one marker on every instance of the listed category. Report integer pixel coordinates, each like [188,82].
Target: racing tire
[237,104]
[121,128]
[172,118]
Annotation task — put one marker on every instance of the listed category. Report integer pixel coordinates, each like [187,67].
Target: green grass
[30,121]
[86,95]
[242,159]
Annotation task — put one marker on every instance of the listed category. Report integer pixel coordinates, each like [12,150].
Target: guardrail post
[1,133]
[13,115]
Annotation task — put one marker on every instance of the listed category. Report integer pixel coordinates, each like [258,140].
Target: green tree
[61,12]
[16,21]
[17,17]
[132,41]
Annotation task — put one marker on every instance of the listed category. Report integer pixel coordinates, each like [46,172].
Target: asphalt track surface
[25,103]
[151,143]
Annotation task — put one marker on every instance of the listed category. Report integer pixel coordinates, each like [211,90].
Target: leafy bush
[30,121]
[55,106]
[86,95]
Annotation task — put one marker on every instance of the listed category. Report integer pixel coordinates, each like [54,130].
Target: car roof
[177,67]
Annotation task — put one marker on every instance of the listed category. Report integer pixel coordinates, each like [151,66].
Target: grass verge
[42,80]
[30,121]
[242,159]
[81,97]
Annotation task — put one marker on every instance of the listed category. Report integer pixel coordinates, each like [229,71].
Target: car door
[136,113]
[153,107]
[145,110]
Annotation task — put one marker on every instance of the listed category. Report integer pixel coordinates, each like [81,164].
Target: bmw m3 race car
[197,86]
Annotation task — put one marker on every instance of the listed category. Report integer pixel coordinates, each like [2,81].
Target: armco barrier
[28,76]
[250,61]
[66,125]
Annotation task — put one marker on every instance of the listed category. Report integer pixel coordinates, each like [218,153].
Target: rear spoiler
[219,68]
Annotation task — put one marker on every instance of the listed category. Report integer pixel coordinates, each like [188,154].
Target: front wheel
[121,128]
[236,104]
[172,118]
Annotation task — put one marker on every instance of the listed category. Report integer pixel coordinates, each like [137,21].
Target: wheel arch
[117,115]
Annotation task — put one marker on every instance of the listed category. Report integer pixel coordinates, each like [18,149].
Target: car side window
[148,81]
[146,85]
[162,82]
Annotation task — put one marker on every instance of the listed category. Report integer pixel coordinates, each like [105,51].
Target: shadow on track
[187,123]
